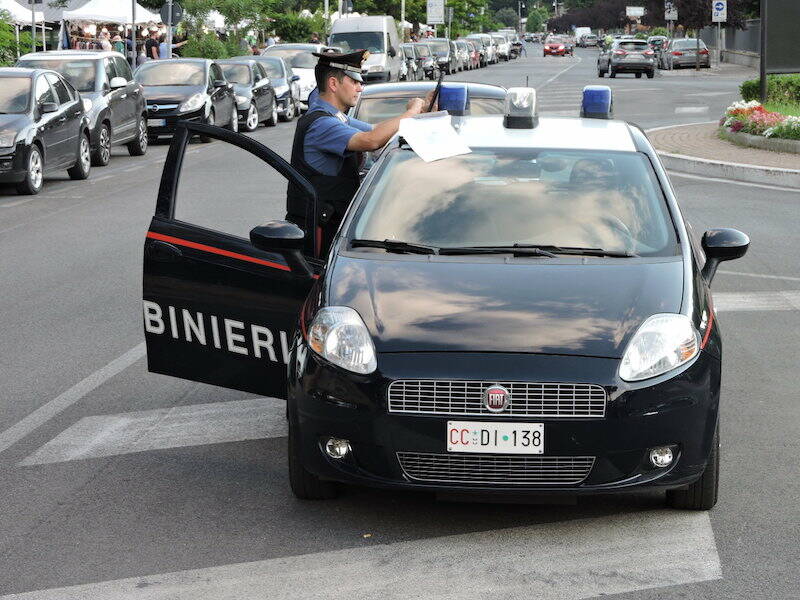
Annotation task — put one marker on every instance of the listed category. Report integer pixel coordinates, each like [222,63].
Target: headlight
[375,68]
[87,105]
[443,59]
[7,138]
[193,103]
[662,343]
[280,90]
[242,99]
[338,334]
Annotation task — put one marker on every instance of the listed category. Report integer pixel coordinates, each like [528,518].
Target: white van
[376,34]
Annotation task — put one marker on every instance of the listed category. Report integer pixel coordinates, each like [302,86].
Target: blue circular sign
[719,5]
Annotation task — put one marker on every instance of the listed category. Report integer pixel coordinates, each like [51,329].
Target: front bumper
[555,52]
[164,122]
[680,410]
[12,164]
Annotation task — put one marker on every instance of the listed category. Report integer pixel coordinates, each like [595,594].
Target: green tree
[8,40]
[536,18]
[507,16]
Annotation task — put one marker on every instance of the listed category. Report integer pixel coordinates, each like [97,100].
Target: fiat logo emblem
[497,398]
[155,108]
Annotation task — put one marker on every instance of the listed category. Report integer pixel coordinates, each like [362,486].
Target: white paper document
[432,136]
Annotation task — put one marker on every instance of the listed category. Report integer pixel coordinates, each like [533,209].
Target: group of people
[156,46]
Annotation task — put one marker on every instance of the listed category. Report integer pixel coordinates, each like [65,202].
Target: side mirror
[117,82]
[49,107]
[285,238]
[392,52]
[218,83]
[295,78]
[721,245]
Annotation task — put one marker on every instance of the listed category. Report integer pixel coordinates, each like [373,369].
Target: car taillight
[677,53]
[704,51]
[620,52]
[649,53]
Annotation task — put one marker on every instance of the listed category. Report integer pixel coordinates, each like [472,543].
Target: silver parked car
[627,56]
[683,53]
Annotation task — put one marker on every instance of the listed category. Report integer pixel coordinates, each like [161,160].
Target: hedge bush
[205,46]
[780,88]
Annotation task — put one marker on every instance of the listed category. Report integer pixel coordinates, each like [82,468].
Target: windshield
[587,199]
[635,46]
[14,92]
[236,73]
[297,59]
[82,74]
[499,39]
[687,44]
[359,40]
[375,110]
[408,52]
[171,73]
[440,48]
[423,51]
[274,68]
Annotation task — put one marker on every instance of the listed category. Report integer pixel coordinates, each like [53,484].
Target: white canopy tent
[111,11]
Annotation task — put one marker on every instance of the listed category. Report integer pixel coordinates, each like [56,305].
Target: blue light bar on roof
[453,99]
[597,102]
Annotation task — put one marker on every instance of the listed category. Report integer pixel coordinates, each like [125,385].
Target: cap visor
[354,76]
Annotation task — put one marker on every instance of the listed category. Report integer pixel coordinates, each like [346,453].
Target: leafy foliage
[780,88]
[536,18]
[507,16]
[205,46]
[8,40]
[293,28]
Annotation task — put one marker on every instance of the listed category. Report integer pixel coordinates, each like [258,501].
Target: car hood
[374,59]
[305,75]
[548,308]
[171,93]
[14,122]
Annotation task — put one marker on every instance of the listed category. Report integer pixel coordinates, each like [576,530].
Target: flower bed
[752,118]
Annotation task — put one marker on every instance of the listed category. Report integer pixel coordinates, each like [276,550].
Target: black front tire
[80,170]
[638,75]
[612,73]
[703,493]
[651,74]
[138,147]
[102,155]
[600,73]
[305,485]
[34,176]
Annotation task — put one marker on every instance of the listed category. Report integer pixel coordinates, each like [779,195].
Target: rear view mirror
[721,245]
[117,82]
[295,78]
[49,107]
[285,238]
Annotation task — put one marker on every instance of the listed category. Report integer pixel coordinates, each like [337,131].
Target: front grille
[465,398]
[161,107]
[494,468]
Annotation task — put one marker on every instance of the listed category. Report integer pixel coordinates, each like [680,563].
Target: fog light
[337,448]
[661,457]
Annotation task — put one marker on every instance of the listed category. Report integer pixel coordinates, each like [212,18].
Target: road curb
[789,178]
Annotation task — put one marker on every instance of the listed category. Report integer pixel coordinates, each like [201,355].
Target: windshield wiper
[395,246]
[580,251]
[516,250]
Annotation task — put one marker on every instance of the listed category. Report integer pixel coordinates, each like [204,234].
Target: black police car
[532,317]
[43,128]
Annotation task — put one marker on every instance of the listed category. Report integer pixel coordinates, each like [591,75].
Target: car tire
[290,111]
[210,120]
[251,118]
[304,484]
[638,75]
[273,117]
[703,493]
[102,155]
[138,147]
[600,73]
[670,66]
[651,74]
[80,170]
[34,175]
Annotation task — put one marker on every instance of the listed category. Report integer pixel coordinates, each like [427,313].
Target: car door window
[61,91]
[44,93]
[122,68]
[216,73]
[255,74]
[110,71]
[262,71]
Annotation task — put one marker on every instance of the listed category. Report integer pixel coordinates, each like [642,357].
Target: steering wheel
[617,225]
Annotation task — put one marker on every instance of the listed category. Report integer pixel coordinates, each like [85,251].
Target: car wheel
[233,125]
[210,120]
[34,173]
[251,118]
[703,493]
[600,73]
[670,66]
[80,170]
[305,485]
[288,114]
[102,156]
[651,74]
[612,73]
[273,116]
[138,147]
[638,75]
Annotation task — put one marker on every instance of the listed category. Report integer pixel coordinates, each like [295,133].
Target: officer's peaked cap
[349,63]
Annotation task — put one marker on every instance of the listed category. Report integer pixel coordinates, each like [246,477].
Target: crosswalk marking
[757,301]
[555,561]
[201,424]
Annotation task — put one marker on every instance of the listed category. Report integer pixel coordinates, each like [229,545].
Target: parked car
[657,42]
[255,98]
[474,54]
[378,35]
[487,45]
[503,46]
[413,68]
[683,53]
[186,89]
[44,127]
[284,82]
[627,56]
[464,55]
[116,113]
[588,41]
[427,59]
[299,58]
[445,53]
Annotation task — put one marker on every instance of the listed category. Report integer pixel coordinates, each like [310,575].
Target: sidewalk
[697,150]
[727,69]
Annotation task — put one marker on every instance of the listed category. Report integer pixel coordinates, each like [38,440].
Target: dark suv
[114,102]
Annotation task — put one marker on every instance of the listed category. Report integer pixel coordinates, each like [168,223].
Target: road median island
[697,149]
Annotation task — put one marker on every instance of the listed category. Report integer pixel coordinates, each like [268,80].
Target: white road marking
[129,169]
[556,561]
[177,427]
[760,275]
[757,301]
[44,413]
[559,74]
[705,94]
[691,110]
[777,188]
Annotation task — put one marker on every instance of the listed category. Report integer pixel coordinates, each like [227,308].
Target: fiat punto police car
[531,317]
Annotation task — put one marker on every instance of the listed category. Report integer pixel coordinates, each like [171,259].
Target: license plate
[156,122]
[495,438]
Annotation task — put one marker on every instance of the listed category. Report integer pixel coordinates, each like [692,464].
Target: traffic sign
[177,13]
[719,11]
[634,11]
[435,12]
[670,12]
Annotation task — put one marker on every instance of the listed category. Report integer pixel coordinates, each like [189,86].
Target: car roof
[82,54]
[409,88]
[18,72]
[562,133]
[235,60]
[313,47]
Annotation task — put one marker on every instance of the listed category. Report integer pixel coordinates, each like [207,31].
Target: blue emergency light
[453,99]
[597,102]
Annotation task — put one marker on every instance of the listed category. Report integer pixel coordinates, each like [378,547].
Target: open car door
[216,309]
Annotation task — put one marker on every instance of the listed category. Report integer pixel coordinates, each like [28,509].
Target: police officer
[328,144]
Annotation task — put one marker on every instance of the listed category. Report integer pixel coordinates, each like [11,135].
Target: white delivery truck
[580,32]
[378,35]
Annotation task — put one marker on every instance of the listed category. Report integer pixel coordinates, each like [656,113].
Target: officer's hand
[428,98]
[415,106]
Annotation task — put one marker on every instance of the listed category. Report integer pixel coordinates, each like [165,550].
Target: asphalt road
[133,485]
